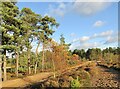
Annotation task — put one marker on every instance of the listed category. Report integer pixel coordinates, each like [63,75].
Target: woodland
[20,28]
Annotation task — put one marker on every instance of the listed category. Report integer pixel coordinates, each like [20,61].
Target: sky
[83,24]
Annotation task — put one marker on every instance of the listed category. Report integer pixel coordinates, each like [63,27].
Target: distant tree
[62,39]
[88,52]
[82,53]
[98,54]
[76,51]
[110,49]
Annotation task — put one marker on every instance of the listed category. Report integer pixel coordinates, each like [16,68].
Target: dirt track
[22,82]
[106,78]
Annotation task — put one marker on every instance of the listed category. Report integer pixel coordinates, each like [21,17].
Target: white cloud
[59,11]
[100,35]
[72,34]
[75,40]
[111,39]
[83,42]
[60,0]
[46,14]
[72,47]
[88,8]
[98,23]
[103,34]
[81,39]
[85,45]
[107,33]
[96,0]
[84,39]
[89,45]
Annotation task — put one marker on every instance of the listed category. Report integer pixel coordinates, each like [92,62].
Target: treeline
[109,56]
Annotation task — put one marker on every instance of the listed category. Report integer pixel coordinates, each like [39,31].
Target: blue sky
[84,24]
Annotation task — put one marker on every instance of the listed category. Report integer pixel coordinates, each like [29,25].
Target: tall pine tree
[9,29]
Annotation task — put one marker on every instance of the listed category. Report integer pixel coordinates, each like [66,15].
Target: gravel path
[106,78]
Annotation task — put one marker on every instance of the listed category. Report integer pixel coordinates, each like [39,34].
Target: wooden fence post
[0,71]
[4,69]
[17,65]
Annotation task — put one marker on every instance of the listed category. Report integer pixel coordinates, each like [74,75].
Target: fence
[3,70]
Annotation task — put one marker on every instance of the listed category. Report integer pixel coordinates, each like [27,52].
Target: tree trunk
[53,65]
[4,66]
[35,67]
[37,48]
[29,69]
[17,65]
[43,58]
[35,70]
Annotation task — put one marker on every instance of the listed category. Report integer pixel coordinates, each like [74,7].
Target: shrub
[75,57]
[75,83]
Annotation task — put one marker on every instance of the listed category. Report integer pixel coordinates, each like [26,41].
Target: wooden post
[0,72]
[17,60]
[4,69]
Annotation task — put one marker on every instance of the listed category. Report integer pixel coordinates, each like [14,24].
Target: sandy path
[21,82]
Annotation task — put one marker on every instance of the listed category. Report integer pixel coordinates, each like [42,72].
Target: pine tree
[62,39]
[29,25]
[9,27]
[44,31]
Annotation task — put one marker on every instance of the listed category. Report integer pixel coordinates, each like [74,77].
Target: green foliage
[94,54]
[75,83]
[23,62]
[62,39]
[71,62]
[81,52]
[84,78]
[109,56]
[10,25]
[48,65]
[22,69]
